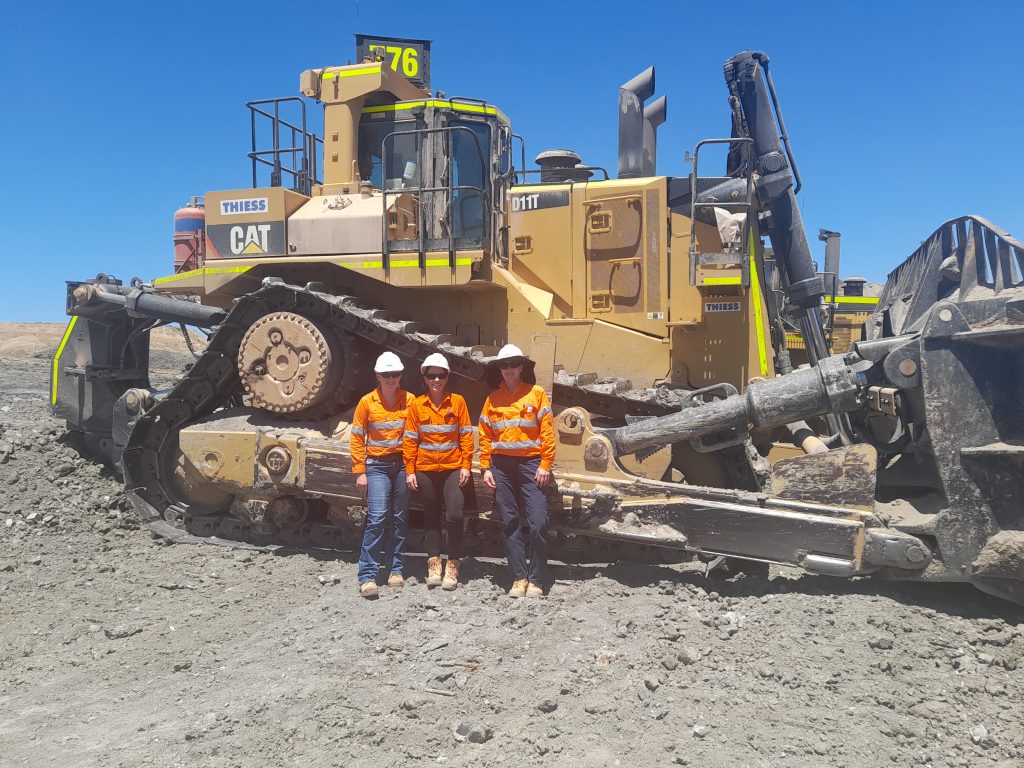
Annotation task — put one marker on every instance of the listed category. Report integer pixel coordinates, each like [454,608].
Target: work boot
[518,588]
[433,572]
[396,580]
[368,589]
[451,575]
[534,590]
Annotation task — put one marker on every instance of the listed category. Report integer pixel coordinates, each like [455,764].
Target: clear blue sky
[902,115]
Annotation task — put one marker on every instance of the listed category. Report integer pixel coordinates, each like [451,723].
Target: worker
[376,446]
[438,452]
[517,450]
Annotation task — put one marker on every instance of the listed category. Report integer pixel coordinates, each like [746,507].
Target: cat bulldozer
[653,307]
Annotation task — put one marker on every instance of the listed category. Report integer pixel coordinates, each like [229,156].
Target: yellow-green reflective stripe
[351,72]
[56,357]
[755,304]
[198,272]
[457,106]
[721,281]
[852,299]
[403,264]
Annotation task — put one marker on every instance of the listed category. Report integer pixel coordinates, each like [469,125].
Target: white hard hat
[436,360]
[388,362]
[509,350]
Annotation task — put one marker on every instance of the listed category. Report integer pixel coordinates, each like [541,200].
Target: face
[511,370]
[389,381]
[435,379]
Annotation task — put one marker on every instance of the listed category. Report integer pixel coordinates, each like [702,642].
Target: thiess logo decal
[722,306]
[247,205]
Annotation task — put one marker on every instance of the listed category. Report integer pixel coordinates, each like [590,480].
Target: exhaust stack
[654,115]
[632,96]
[831,240]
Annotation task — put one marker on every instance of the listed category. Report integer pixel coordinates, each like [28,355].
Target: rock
[669,663]
[548,705]
[122,631]
[881,643]
[688,656]
[333,578]
[181,666]
[701,730]
[978,733]
[472,732]
[652,683]
[7,566]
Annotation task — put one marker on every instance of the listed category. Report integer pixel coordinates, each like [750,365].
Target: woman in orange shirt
[376,445]
[438,453]
[517,450]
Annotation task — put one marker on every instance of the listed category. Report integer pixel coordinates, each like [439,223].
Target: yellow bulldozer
[660,311]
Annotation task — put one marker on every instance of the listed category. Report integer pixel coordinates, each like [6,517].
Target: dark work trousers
[524,515]
[437,490]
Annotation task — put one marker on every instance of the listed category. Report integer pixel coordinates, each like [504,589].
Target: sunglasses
[391,375]
[435,376]
[510,364]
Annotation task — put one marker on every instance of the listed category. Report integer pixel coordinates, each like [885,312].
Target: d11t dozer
[683,429]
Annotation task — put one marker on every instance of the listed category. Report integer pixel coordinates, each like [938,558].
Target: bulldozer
[655,307]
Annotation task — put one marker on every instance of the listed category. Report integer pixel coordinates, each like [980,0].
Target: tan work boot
[451,575]
[518,588]
[534,590]
[396,580]
[433,571]
[368,589]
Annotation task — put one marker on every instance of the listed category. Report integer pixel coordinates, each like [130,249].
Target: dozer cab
[684,429]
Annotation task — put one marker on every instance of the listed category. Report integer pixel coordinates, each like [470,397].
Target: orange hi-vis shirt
[518,424]
[376,429]
[438,437]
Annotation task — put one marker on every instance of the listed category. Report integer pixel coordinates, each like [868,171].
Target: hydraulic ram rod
[832,386]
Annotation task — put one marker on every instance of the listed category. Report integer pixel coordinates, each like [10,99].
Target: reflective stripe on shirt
[513,423]
[465,430]
[387,424]
[358,431]
[396,443]
[516,445]
[438,446]
[438,427]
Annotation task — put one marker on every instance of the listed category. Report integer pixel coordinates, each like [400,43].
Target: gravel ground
[119,650]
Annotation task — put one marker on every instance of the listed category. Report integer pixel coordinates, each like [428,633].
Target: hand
[361,484]
[464,476]
[542,477]
[489,479]
[410,480]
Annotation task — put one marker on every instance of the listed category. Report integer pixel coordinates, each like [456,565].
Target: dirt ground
[119,650]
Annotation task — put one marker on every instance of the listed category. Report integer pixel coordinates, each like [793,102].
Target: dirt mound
[117,649]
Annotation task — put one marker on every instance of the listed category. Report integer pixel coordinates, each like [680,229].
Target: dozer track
[213,382]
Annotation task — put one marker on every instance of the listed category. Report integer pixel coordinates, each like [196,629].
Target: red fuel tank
[190,236]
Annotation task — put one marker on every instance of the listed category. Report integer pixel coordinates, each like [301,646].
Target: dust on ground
[117,649]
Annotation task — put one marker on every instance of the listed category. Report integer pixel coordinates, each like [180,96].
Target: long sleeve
[357,438]
[465,435]
[486,436]
[547,432]
[411,439]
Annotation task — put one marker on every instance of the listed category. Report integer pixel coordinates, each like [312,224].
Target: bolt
[908,367]
[945,315]
[304,356]
[277,460]
[915,554]
[276,337]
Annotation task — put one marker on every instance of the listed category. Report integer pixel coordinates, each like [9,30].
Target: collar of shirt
[446,403]
[400,398]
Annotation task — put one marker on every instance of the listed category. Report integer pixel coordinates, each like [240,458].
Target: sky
[901,114]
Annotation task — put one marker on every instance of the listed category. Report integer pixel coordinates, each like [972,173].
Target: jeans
[439,489]
[387,517]
[524,515]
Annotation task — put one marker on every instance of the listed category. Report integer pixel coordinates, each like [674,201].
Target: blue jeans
[524,516]
[387,517]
